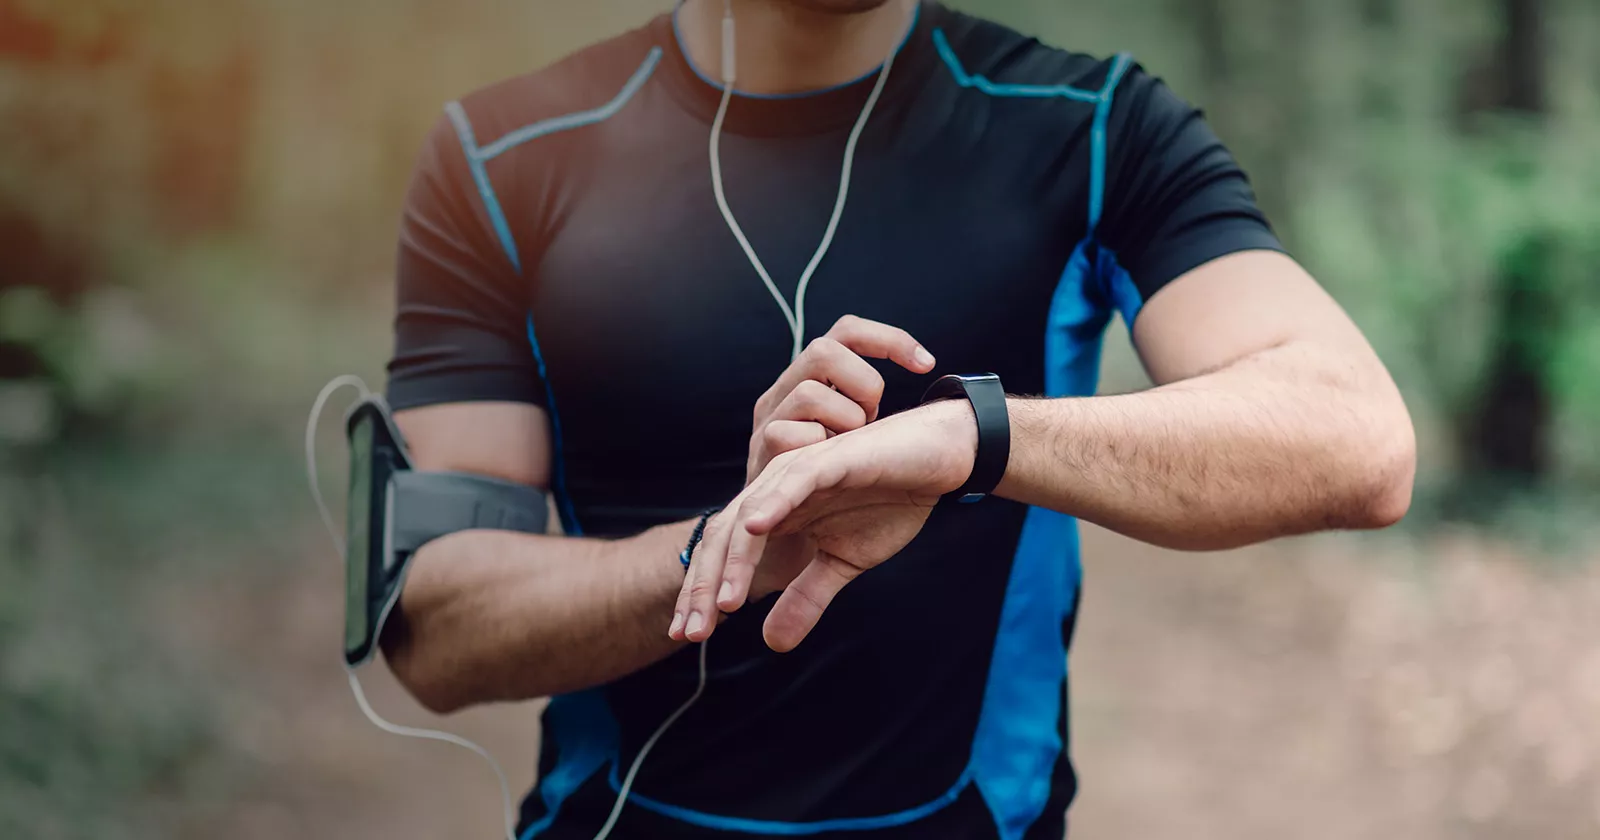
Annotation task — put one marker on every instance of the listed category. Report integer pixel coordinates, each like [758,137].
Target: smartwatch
[988,399]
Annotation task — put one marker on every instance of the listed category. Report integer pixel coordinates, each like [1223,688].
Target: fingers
[780,436]
[743,548]
[808,415]
[695,615]
[881,341]
[812,400]
[827,362]
[801,605]
[744,553]
[769,501]
[835,359]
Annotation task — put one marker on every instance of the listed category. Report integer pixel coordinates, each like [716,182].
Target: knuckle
[809,393]
[812,388]
[874,385]
[823,348]
[846,322]
[764,404]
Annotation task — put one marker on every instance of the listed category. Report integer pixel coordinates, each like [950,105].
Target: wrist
[956,427]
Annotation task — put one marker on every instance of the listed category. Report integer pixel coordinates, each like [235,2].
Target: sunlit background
[197,209]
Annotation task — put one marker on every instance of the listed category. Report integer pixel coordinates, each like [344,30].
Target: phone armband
[393,510]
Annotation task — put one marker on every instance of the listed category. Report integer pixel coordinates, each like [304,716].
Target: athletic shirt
[561,246]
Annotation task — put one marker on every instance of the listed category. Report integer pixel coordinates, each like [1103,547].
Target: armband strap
[429,505]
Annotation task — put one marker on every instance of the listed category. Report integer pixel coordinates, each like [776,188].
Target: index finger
[877,340]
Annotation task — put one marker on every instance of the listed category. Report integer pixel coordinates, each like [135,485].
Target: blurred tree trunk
[1209,22]
[1510,430]
[1252,78]
[1289,103]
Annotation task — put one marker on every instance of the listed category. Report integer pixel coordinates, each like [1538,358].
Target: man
[584,306]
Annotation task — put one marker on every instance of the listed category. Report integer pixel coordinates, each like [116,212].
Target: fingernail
[726,592]
[677,624]
[697,622]
[922,357]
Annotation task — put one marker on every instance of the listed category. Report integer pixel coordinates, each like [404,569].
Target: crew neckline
[803,112]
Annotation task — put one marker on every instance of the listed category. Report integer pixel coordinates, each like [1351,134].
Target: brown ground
[1327,688]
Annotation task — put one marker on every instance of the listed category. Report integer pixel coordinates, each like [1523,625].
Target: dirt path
[1312,689]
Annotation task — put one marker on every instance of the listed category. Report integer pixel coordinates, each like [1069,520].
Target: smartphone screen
[358,530]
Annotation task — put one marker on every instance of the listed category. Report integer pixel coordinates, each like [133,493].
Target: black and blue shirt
[561,246]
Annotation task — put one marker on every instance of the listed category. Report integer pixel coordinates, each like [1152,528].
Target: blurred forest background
[197,210]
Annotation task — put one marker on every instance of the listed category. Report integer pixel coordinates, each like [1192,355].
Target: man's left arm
[1274,417]
[1272,422]
[1271,416]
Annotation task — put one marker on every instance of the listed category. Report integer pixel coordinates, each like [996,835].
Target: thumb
[801,605]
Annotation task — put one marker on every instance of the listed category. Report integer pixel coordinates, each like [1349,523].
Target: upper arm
[1237,305]
[1209,280]
[463,380]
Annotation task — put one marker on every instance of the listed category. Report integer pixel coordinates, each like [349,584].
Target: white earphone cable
[510,814]
[633,769]
[795,317]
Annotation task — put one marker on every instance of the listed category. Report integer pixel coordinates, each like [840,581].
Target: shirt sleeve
[461,321]
[1175,197]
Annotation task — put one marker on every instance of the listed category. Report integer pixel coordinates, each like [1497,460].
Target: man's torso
[931,701]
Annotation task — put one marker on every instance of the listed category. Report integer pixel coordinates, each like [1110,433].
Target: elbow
[431,692]
[423,679]
[1385,476]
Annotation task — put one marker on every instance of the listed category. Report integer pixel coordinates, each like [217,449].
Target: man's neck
[783,48]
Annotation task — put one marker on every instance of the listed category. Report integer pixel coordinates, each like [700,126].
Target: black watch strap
[988,399]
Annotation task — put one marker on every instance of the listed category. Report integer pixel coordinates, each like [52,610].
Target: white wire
[328,391]
[796,327]
[633,770]
[795,317]
[838,205]
[446,737]
[733,224]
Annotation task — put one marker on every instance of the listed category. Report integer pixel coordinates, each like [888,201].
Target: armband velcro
[429,505]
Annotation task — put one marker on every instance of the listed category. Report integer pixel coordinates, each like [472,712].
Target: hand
[861,496]
[828,390]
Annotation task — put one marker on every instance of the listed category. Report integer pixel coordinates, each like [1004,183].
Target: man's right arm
[495,615]
[489,616]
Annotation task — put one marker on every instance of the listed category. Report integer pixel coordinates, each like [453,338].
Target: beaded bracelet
[694,538]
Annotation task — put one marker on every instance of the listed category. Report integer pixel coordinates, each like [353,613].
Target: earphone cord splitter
[795,317]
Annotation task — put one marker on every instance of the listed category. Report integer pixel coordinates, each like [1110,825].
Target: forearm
[490,616]
[1277,443]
